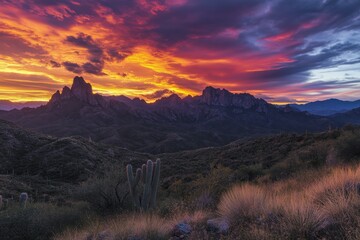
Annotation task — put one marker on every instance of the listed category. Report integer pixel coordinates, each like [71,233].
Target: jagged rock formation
[170,124]
[81,91]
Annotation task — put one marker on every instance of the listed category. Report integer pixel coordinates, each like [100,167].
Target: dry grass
[325,206]
[141,226]
[243,201]
[329,203]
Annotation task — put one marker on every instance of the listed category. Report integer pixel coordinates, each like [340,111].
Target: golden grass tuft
[142,226]
[243,201]
[331,201]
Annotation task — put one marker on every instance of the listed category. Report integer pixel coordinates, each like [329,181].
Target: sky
[280,50]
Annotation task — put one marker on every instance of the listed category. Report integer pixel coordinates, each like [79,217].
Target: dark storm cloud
[305,62]
[73,67]
[96,53]
[296,36]
[201,18]
[86,41]
[116,54]
[54,64]
[95,69]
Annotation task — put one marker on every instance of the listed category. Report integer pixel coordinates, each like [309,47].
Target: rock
[66,93]
[55,97]
[218,225]
[83,90]
[182,229]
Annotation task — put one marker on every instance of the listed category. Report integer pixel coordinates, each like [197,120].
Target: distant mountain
[170,124]
[7,105]
[352,116]
[327,107]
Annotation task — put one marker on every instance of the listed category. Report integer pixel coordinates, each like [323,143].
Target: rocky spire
[216,96]
[83,90]
[80,90]
[222,97]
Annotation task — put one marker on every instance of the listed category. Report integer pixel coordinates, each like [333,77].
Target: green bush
[314,155]
[107,193]
[348,146]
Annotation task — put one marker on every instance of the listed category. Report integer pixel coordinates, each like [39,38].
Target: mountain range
[7,105]
[170,124]
[327,107]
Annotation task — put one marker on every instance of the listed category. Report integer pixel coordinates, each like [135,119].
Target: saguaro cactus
[150,178]
[23,199]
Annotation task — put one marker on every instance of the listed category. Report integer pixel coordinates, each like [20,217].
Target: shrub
[314,155]
[299,218]
[245,201]
[39,221]
[139,226]
[106,193]
[215,182]
[348,146]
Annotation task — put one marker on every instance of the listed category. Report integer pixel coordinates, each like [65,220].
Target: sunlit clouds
[283,51]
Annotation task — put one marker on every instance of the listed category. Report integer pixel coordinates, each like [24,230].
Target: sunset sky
[279,50]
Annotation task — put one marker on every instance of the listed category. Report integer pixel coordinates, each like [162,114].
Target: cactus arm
[155,183]
[132,184]
[147,186]
[143,177]
[138,176]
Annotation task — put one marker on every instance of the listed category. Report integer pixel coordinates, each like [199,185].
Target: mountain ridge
[327,107]
[170,124]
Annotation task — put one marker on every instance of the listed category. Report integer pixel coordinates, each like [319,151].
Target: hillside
[34,162]
[215,118]
[74,171]
[70,160]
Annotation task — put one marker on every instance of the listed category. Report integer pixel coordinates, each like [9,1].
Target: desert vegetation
[280,187]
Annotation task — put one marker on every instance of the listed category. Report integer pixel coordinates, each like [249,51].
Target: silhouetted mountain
[327,107]
[7,105]
[352,116]
[170,124]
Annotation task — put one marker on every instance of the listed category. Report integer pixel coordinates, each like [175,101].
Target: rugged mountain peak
[222,97]
[172,100]
[66,93]
[82,90]
[55,97]
[216,96]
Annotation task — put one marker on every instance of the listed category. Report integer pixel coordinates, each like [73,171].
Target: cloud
[96,53]
[272,47]
[55,64]
[73,67]
[17,47]
[95,69]
[158,94]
